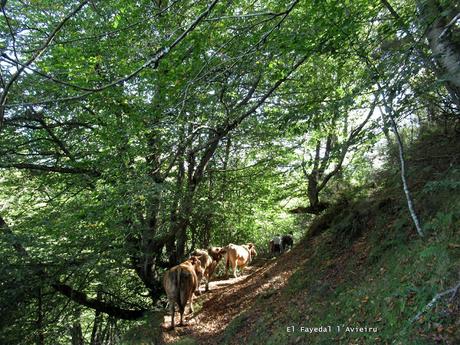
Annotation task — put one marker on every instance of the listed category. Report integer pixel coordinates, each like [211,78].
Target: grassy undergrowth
[370,269]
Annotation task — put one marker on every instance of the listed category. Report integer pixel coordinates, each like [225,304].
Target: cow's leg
[243,267]
[172,308]
[211,271]
[206,288]
[191,305]
[181,323]
[181,311]
[197,289]
[227,264]
[234,268]
[206,275]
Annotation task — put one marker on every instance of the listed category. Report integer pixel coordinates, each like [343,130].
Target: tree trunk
[76,332]
[410,204]
[313,193]
[41,335]
[98,319]
[179,228]
[207,228]
[445,51]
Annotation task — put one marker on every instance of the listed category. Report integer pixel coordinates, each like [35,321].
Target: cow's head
[203,256]
[252,249]
[196,263]
[216,253]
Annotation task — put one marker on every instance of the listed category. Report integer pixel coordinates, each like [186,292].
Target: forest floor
[227,298]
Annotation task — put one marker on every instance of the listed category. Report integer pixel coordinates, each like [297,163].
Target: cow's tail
[174,278]
[183,294]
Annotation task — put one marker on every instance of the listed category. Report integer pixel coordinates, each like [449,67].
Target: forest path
[227,298]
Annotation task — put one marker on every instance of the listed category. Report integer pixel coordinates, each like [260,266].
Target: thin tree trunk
[95,333]
[105,332]
[402,163]
[76,332]
[41,335]
[385,126]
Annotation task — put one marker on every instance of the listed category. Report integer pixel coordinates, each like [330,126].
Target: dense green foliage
[132,132]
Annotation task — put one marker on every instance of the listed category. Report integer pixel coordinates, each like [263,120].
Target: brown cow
[239,256]
[216,253]
[209,260]
[206,262]
[179,283]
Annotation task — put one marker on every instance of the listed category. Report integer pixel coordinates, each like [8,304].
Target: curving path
[215,309]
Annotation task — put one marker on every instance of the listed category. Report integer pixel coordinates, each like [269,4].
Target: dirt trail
[228,298]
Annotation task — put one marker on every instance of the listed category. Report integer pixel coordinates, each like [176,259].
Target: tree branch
[452,291]
[35,56]
[93,303]
[224,130]
[155,60]
[62,170]
[75,295]
[351,140]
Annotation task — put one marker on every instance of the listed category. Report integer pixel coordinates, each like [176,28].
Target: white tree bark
[402,163]
[440,26]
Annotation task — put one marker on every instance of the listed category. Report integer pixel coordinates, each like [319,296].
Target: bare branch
[223,131]
[452,291]
[447,27]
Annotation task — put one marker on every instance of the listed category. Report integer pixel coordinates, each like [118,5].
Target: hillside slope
[360,276]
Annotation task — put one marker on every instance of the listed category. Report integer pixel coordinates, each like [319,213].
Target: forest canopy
[133,132]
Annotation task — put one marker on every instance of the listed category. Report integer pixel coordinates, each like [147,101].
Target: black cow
[287,241]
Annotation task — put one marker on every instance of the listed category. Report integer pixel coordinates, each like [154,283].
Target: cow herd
[182,281]
[279,244]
